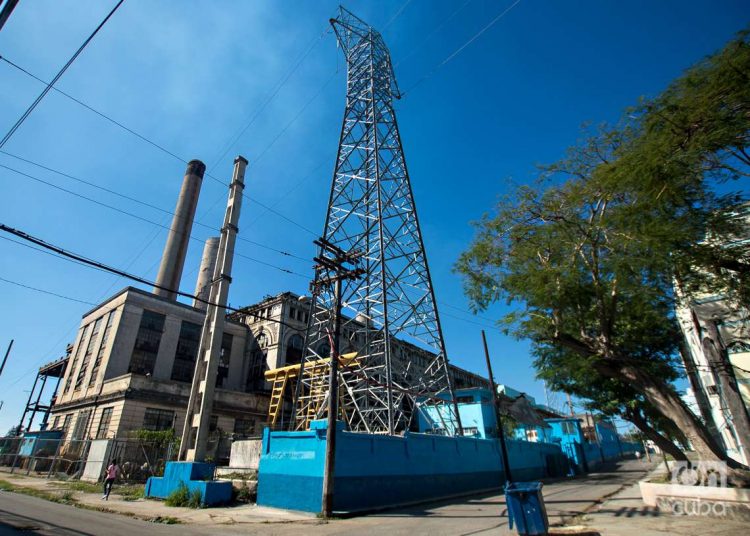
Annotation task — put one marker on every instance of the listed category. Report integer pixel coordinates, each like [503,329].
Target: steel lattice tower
[371,211]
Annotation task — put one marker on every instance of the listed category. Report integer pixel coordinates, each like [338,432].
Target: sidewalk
[624,514]
[567,501]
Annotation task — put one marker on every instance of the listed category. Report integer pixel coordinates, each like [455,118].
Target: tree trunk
[668,403]
[730,393]
[662,442]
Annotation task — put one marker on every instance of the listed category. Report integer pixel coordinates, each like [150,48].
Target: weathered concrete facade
[278,326]
[125,375]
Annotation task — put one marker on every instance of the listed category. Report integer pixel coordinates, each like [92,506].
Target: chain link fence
[85,459]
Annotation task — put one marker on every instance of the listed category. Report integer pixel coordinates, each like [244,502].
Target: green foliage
[179,497]
[243,494]
[131,492]
[592,250]
[195,500]
[182,496]
[160,438]
[85,487]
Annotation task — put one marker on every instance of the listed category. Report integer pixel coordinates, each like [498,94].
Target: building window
[102,349]
[244,427]
[294,349]
[224,357]
[187,350]
[568,428]
[74,361]
[89,352]
[213,423]
[147,343]
[66,424]
[255,379]
[104,421]
[56,422]
[82,424]
[324,350]
[158,419]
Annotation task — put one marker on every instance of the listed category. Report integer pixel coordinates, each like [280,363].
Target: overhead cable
[46,90]
[461,48]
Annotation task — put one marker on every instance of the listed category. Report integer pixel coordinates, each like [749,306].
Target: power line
[395,15]
[462,47]
[105,268]
[433,32]
[97,112]
[286,194]
[273,94]
[154,144]
[146,220]
[16,283]
[301,111]
[46,90]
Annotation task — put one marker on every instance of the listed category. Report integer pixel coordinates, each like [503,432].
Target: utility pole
[331,261]
[7,353]
[495,401]
[570,405]
[6,11]
[198,418]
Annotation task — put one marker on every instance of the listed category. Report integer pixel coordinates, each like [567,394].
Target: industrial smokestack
[206,272]
[173,259]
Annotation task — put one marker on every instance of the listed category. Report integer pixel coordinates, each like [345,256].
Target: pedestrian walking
[113,471]
[637,454]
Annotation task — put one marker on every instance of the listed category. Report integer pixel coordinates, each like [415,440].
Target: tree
[592,250]
[564,371]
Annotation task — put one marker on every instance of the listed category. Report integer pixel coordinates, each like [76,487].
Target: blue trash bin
[526,508]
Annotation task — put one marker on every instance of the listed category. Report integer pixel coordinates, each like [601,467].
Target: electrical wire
[80,259]
[461,48]
[395,16]
[433,32]
[270,98]
[46,90]
[16,283]
[157,224]
[97,112]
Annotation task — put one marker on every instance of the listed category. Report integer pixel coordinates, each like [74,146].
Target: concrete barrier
[376,471]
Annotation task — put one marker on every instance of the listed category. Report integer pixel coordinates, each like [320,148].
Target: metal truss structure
[371,214]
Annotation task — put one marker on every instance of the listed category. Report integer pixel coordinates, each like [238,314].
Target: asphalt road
[486,514]
[24,515]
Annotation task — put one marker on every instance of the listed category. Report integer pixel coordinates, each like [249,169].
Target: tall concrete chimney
[206,272]
[173,258]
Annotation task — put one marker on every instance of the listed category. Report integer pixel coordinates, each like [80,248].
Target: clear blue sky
[189,75]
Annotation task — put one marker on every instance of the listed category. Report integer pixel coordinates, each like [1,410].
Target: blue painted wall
[376,471]
[193,475]
[474,408]
[35,442]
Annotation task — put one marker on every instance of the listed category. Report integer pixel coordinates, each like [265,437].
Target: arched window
[294,349]
[255,378]
[324,350]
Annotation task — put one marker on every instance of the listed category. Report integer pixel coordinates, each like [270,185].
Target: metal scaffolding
[34,405]
[371,213]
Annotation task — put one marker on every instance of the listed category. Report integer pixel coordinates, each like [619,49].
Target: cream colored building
[131,368]
[134,356]
[278,326]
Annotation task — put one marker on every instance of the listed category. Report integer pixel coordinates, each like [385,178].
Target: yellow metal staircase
[312,399]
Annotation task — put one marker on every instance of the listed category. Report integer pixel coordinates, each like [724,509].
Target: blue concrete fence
[376,471]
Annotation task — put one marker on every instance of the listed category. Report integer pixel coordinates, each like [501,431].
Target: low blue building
[475,407]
